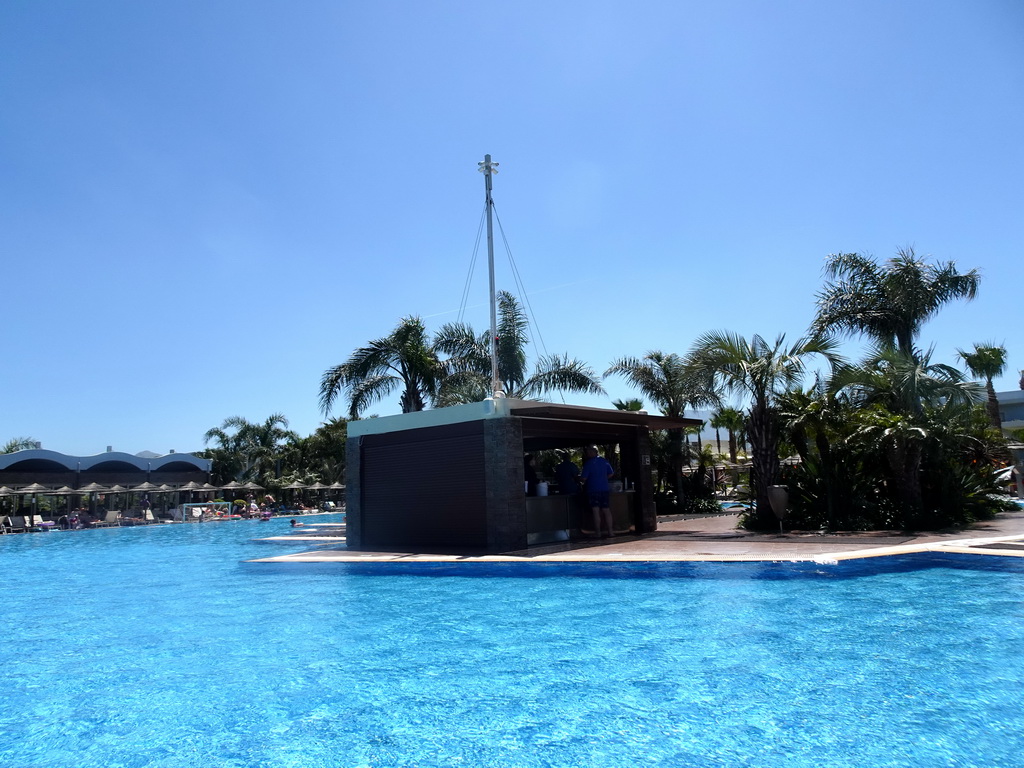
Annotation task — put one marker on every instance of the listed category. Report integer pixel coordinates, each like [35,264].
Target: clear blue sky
[205,205]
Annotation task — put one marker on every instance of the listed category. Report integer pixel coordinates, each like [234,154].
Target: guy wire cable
[520,286]
[522,294]
[472,266]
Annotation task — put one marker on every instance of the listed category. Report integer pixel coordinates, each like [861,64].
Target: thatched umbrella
[294,486]
[119,490]
[64,491]
[337,489]
[231,489]
[5,491]
[145,488]
[191,486]
[92,489]
[318,486]
[32,490]
[164,489]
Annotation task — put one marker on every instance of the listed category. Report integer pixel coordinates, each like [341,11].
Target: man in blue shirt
[596,471]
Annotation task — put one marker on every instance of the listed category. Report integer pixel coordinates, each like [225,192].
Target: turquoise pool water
[158,646]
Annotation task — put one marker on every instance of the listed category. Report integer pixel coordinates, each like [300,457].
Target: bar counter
[561,518]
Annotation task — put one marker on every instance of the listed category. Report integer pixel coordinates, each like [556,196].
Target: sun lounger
[13,524]
[112,518]
[17,524]
[36,523]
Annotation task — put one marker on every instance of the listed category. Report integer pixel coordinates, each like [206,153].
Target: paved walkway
[714,538]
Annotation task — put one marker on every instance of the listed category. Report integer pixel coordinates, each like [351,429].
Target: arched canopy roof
[103,461]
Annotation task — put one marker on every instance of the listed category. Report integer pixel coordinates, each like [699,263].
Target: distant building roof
[82,463]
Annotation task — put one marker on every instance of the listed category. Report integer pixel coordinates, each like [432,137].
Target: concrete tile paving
[710,538]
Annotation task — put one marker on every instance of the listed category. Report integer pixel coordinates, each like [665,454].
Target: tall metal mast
[487,168]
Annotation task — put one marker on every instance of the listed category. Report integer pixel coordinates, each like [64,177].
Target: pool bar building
[452,478]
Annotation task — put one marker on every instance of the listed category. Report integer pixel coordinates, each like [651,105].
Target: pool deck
[703,538]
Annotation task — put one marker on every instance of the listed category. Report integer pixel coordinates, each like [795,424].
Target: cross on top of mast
[487,167]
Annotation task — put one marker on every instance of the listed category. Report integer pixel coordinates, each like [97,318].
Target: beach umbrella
[145,488]
[92,489]
[233,487]
[34,488]
[117,490]
[317,486]
[336,489]
[165,488]
[64,491]
[251,486]
[4,492]
[294,487]
[191,486]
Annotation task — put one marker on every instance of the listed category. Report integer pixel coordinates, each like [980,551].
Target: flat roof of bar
[507,407]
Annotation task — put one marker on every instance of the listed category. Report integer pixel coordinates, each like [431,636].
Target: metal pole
[487,168]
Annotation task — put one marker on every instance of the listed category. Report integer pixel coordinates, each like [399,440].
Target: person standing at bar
[566,473]
[595,474]
[530,474]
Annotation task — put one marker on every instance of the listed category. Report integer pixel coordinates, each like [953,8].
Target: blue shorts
[599,498]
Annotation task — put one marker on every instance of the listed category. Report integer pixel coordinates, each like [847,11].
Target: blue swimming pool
[159,646]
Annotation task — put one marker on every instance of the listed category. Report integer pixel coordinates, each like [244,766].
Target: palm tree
[633,404]
[320,457]
[987,361]
[906,383]
[762,372]
[888,302]
[732,421]
[672,386]
[817,422]
[895,393]
[250,450]
[467,369]
[403,359]
[18,444]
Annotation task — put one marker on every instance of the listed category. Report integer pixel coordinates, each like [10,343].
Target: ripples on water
[159,646]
